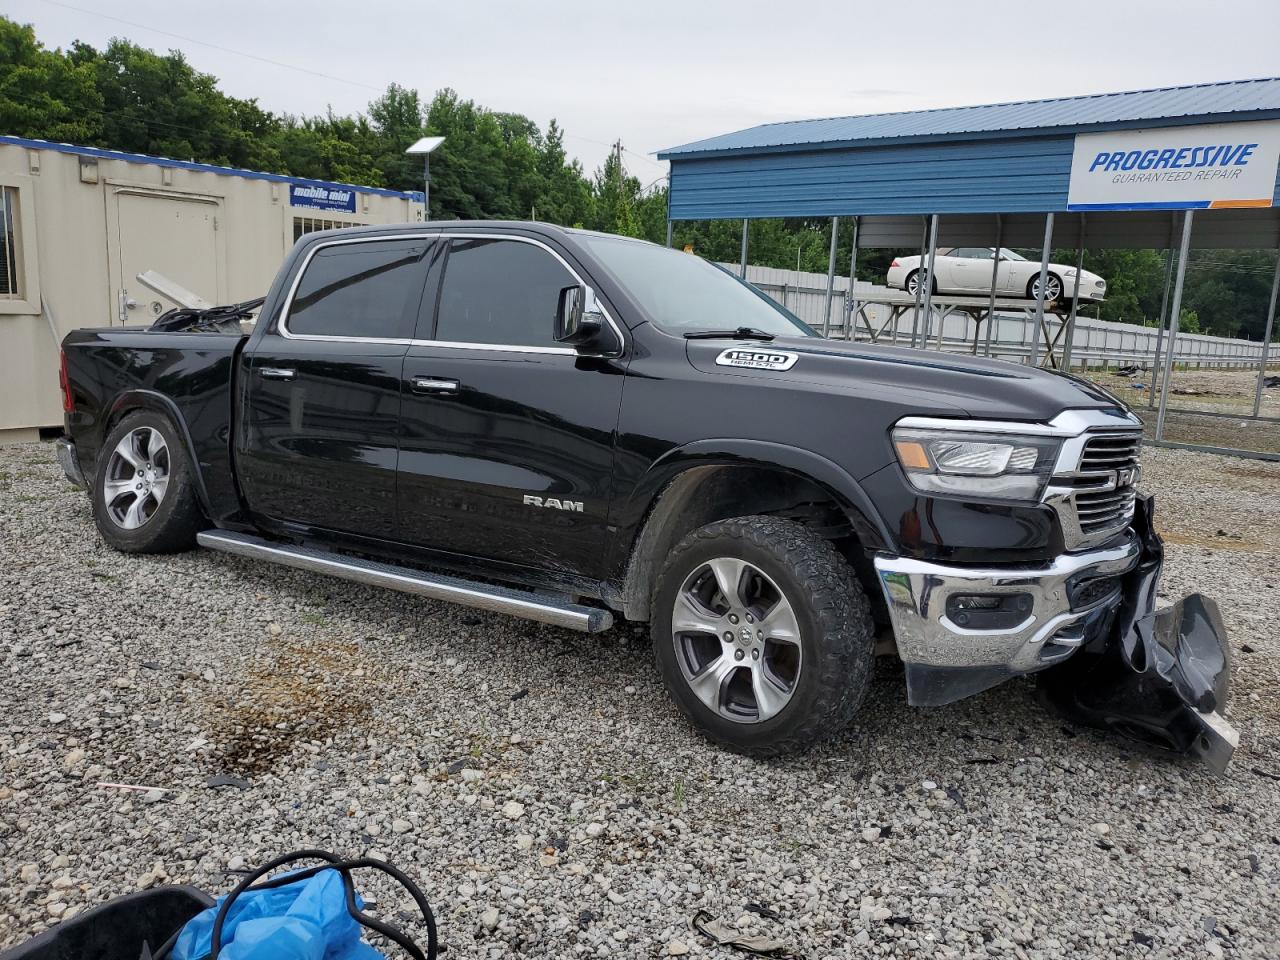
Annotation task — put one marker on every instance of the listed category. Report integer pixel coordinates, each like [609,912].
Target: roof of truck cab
[496,226]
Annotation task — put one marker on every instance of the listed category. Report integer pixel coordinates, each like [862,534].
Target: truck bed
[186,374]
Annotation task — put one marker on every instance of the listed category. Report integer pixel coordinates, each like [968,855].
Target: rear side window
[368,289]
[502,293]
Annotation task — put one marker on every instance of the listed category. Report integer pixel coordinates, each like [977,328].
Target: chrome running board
[469,593]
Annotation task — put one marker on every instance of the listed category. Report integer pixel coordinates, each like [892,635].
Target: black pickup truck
[573,427]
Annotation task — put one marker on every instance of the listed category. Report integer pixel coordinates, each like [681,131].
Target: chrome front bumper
[946,661]
[65,450]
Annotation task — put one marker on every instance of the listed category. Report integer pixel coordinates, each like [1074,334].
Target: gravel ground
[550,801]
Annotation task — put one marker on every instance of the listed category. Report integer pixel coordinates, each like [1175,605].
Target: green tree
[43,93]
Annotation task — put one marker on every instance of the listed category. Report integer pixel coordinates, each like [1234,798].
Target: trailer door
[174,234]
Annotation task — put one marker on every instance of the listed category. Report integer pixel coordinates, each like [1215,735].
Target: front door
[322,407]
[971,269]
[507,436]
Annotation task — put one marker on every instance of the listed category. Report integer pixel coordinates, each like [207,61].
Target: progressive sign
[317,196]
[1176,168]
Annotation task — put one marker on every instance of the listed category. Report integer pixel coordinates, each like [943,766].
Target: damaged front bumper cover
[1087,624]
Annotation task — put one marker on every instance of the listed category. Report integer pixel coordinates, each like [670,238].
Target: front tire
[144,498]
[1052,287]
[763,635]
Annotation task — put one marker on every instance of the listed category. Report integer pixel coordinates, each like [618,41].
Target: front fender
[641,509]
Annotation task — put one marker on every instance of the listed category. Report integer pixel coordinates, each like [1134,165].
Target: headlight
[999,466]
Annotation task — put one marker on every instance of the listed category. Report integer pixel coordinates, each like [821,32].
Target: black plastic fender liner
[1160,678]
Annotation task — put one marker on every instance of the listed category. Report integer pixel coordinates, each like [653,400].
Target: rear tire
[913,278]
[143,493]
[784,662]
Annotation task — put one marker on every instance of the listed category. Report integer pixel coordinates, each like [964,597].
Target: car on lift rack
[575,427]
[967,270]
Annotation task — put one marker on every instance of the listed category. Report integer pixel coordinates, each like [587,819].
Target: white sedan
[967,270]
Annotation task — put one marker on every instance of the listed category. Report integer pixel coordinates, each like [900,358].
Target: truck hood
[937,383]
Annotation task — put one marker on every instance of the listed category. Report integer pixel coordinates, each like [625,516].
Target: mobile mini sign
[317,196]
[1176,168]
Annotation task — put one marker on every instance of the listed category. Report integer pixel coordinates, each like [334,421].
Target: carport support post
[850,331]
[1266,339]
[928,289]
[1075,302]
[1044,273]
[669,232]
[831,276]
[995,278]
[915,314]
[1174,309]
[1164,304]
[742,271]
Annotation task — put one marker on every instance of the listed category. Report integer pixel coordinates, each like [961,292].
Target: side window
[369,289]
[10,246]
[500,292]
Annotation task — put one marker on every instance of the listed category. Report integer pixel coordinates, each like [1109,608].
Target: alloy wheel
[137,477]
[1052,288]
[737,640]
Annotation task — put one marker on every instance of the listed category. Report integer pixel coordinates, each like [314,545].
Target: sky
[658,74]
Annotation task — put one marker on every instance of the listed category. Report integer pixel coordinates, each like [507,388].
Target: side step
[469,593]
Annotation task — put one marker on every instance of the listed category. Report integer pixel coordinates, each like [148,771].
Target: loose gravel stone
[361,710]
[513,810]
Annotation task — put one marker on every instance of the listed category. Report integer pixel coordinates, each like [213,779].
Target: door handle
[433,385]
[277,373]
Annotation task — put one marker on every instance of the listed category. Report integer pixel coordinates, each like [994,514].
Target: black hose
[344,868]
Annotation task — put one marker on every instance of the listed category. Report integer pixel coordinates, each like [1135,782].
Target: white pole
[995,277]
[928,279]
[1075,302]
[831,276]
[1174,310]
[1044,272]
[1266,339]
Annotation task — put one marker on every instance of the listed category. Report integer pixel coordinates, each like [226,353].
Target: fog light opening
[988,611]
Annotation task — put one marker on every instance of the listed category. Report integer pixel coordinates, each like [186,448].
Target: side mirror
[578,317]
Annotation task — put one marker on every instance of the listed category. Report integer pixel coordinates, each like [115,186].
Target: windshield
[1010,255]
[683,293]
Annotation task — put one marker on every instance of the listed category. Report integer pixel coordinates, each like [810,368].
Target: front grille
[1103,454]
[1096,499]
[1104,510]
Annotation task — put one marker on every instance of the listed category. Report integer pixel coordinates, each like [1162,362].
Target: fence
[1095,344]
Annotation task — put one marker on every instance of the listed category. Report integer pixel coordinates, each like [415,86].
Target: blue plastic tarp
[304,920]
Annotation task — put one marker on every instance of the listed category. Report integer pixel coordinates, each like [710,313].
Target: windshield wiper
[741,333]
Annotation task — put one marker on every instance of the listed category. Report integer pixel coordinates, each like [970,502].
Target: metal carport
[1000,172]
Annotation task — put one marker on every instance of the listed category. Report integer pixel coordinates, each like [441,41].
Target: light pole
[425,147]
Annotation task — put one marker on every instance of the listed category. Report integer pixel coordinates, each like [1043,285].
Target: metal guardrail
[1096,344]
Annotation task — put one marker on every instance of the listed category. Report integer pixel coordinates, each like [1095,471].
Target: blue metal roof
[1201,103]
[98,152]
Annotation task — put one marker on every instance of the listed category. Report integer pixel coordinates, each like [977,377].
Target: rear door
[507,436]
[322,409]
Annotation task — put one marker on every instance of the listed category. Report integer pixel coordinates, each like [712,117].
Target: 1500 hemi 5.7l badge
[759,359]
